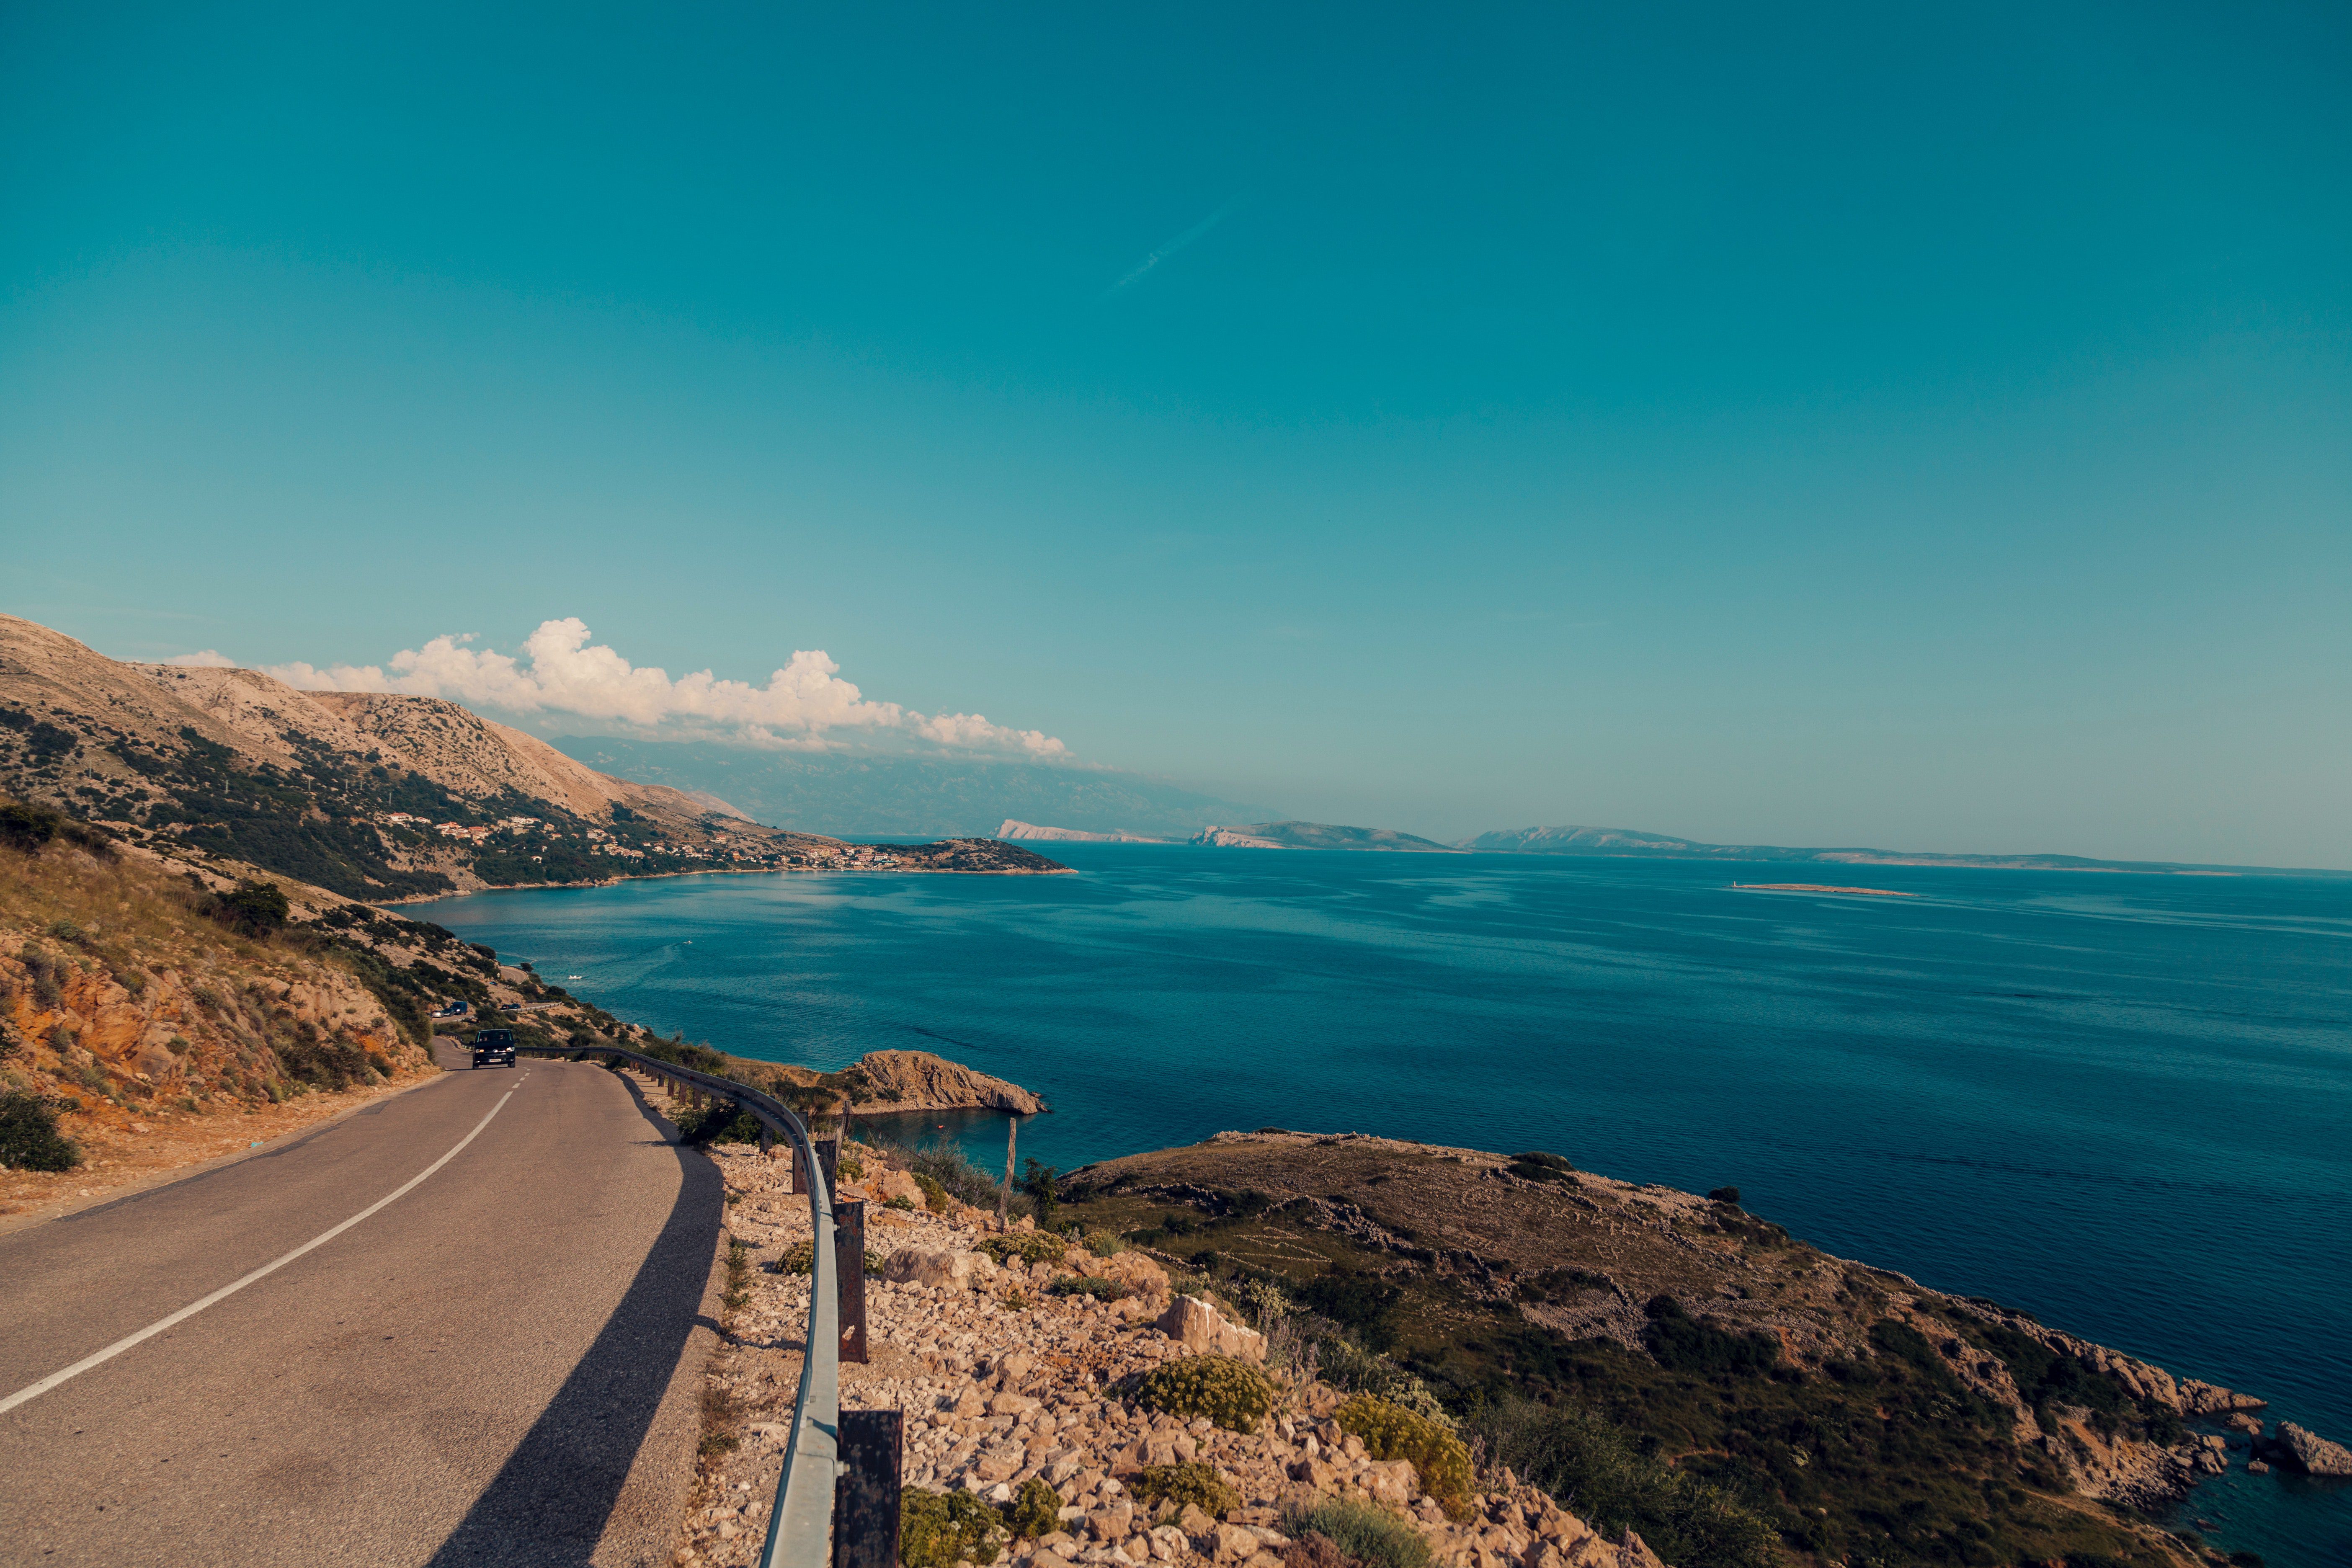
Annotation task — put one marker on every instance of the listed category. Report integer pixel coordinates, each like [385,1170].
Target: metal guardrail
[800,1524]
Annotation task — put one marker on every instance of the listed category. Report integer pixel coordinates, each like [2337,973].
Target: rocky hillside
[1858,1414]
[158,1026]
[1074,1401]
[373,796]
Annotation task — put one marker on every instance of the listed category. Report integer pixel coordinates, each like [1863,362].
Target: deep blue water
[2123,1103]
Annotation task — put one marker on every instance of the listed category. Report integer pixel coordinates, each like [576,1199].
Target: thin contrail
[1171,248]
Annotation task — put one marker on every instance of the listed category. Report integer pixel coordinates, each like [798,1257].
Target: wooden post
[849,1252]
[1004,1194]
[866,1496]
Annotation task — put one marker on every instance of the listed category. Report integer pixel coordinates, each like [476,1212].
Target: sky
[1929,430]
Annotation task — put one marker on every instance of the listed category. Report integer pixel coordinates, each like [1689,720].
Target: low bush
[1093,1285]
[1573,1453]
[253,908]
[1036,1247]
[1348,1366]
[801,1257]
[1364,1303]
[1536,1166]
[1313,1549]
[1228,1391]
[935,1196]
[1685,1343]
[1105,1243]
[957,1177]
[29,1139]
[1392,1432]
[902,1203]
[1036,1509]
[1190,1482]
[939,1529]
[1362,1534]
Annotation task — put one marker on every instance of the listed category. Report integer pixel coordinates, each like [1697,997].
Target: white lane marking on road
[36,1390]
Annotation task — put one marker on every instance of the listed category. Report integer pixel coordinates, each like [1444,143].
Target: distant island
[1633,842]
[1317,836]
[1015,828]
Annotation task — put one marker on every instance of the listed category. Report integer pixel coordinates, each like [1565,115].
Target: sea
[2121,1102]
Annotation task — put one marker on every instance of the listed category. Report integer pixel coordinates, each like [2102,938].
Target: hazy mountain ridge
[870,797]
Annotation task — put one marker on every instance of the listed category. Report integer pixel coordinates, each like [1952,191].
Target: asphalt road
[499,1366]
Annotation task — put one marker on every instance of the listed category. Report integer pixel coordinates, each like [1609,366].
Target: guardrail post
[849,1247]
[800,1170]
[865,1498]
[828,1159]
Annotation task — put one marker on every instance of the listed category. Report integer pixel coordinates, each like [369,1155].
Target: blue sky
[1834,426]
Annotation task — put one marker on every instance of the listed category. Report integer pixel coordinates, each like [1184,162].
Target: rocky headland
[373,795]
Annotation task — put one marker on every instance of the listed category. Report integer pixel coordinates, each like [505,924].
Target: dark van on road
[494,1048]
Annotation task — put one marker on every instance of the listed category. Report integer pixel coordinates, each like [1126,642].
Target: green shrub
[939,1529]
[1042,1183]
[1572,1452]
[1366,1535]
[255,909]
[1228,1391]
[1105,1243]
[1536,1166]
[935,1196]
[1037,1246]
[1392,1432]
[1036,1509]
[851,1171]
[1190,1482]
[1363,1302]
[1348,1366]
[1093,1285]
[801,1255]
[902,1203]
[29,1139]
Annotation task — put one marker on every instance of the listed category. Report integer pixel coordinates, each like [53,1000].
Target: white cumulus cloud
[559,670]
[207,659]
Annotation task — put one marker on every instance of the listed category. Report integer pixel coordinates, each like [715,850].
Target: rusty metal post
[849,1247]
[800,1170]
[828,1159]
[865,1498]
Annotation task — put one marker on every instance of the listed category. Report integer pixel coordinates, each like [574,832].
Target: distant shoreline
[710,871]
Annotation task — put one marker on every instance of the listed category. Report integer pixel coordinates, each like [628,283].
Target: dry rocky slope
[351,791]
[1005,1382]
[1866,1418]
[160,1038]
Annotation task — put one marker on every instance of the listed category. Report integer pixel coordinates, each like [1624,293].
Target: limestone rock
[1391,1481]
[1132,1269]
[1202,1330]
[918,1266]
[2311,1453]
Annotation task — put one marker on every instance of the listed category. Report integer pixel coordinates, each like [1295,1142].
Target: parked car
[494,1048]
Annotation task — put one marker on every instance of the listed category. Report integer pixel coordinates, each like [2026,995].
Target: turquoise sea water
[2123,1103]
